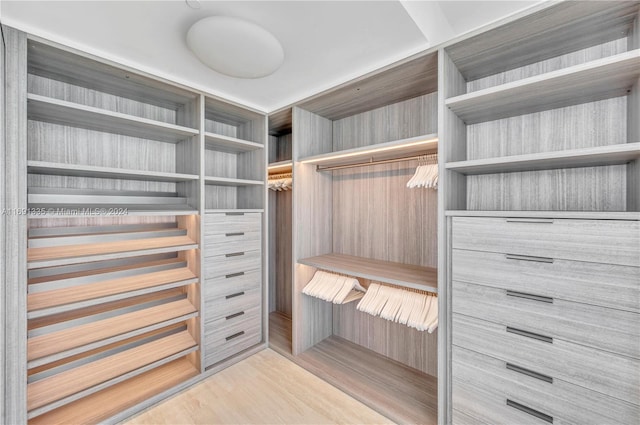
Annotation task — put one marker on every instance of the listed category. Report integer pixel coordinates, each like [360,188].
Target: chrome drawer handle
[229,276]
[530,411]
[531,335]
[234,213]
[237,294]
[234,234]
[529,258]
[234,254]
[529,220]
[530,373]
[230,337]
[529,296]
[234,315]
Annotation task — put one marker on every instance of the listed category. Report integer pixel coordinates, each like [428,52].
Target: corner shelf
[47,109]
[586,157]
[596,80]
[406,275]
[228,144]
[383,151]
[280,167]
[225,181]
[59,169]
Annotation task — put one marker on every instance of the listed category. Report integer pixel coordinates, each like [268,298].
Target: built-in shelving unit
[405,275]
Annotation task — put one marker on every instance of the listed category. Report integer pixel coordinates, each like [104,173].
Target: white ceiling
[325,42]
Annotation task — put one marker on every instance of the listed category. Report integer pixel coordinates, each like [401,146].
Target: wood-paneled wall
[280,227]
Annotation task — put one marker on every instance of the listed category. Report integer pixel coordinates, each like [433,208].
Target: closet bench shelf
[397,149]
[596,80]
[226,181]
[586,215]
[42,108]
[405,275]
[228,144]
[586,157]
[59,169]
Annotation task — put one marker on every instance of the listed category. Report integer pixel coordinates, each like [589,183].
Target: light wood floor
[264,389]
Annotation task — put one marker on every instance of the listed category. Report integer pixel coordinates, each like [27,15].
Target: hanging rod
[372,162]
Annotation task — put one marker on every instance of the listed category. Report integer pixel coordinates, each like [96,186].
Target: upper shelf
[229,144]
[586,157]
[42,108]
[379,152]
[226,181]
[406,275]
[596,80]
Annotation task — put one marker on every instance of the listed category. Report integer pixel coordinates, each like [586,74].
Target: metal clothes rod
[365,164]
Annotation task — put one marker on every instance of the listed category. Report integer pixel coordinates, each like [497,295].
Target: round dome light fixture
[235,47]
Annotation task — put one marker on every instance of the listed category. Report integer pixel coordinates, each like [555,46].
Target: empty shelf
[52,168]
[587,157]
[379,152]
[222,143]
[225,181]
[596,80]
[42,108]
[91,335]
[407,275]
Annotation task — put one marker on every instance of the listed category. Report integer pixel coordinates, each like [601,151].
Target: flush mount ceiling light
[235,47]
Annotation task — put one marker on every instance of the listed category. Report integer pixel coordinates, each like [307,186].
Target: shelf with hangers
[398,150]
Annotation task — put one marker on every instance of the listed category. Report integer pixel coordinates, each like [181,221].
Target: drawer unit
[229,242]
[232,222]
[595,326]
[600,284]
[598,241]
[230,263]
[562,401]
[231,303]
[601,371]
[231,284]
[227,337]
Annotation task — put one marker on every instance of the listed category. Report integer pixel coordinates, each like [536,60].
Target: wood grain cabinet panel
[222,342]
[217,223]
[598,241]
[230,263]
[231,283]
[610,374]
[232,303]
[222,243]
[565,402]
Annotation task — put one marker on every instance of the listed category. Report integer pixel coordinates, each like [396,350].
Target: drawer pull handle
[237,294]
[530,296]
[234,254]
[234,315]
[530,411]
[531,373]
[229,276]
[531,335]
[529,220]
[230,337]
[529,258]
[234,213]
[234,234]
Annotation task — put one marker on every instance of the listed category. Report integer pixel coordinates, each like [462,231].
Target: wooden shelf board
[382,151]
[74,381]
[99,291]
[596,80]
[280,167]
[58,169]
[586,215]
[225,181]
[586,157]
[84,210]
[106,331]
[406,275]
[42,108]
[69,254]
[228,144]
[239,210]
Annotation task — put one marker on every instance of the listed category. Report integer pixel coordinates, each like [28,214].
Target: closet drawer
[232,323]
[229,242]
[231,283]
[226,342]
[561,400]
[591,283]
[230,263]
[232,302]
[603,328]
[599,241]
[218,223]
[601,371]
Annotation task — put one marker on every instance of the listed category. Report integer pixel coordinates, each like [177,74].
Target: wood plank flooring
[264,389]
